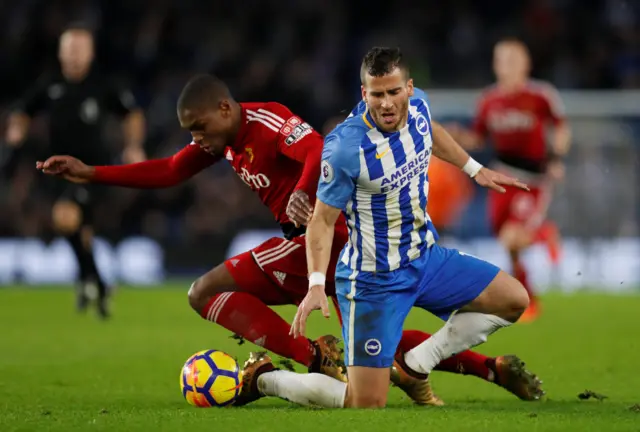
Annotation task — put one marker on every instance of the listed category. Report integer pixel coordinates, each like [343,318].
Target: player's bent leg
[505,371]
[504,298]
[206,287]
[237,295]
[485,298]
[367,387]
[262,378]
[217,298]
[371,329]
[464,363]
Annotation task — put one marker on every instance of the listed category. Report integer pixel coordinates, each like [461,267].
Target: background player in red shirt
[514,114]
[278,156]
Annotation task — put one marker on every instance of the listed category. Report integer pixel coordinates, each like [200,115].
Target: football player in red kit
[514,114]
[278,156]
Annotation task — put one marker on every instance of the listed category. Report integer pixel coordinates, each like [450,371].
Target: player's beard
[400,118]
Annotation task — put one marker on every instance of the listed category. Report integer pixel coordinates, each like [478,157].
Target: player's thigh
[372,319]
[284,263]
[452,280]
[504,297]
[368,387]
[247,276]
[237,274]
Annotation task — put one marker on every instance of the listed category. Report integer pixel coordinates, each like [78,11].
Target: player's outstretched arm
[339,169]
[155,173]
[447,149]
[319,240]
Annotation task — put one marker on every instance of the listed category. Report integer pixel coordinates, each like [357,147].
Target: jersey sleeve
[553,107]
[120,99]
[35,99]
[339,170]
[157,173]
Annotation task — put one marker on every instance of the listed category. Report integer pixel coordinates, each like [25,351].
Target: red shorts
[516,205]
[276,271]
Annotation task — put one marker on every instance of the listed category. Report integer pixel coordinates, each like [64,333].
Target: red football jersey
[269,155]
[516,122]
[275,154]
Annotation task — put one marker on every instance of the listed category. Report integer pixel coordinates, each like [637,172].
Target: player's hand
[315,299]
[555,170]
[67,167]
[132,155]
[299,209]
[495,180]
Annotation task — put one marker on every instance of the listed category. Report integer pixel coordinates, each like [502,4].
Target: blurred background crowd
[306,55]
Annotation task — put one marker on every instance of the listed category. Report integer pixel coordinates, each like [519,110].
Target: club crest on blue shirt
[326,171]
[421,125]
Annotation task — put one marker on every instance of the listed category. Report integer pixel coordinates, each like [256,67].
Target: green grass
[63,372]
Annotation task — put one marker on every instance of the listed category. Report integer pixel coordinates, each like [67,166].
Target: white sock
[311,389]
[461,332]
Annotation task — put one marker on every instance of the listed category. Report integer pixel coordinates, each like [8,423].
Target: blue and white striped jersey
[380,182]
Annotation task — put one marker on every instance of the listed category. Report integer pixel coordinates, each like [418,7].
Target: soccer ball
[211,378]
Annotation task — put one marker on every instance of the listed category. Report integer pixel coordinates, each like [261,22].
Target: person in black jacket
[77,98]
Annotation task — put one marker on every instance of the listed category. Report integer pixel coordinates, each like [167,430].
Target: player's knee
[521,299]
[66,216]
[197,294]
[517,299]
[367,388]
[504,297]
[207,286]
[367,400]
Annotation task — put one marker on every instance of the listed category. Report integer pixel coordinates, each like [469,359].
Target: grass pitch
[60,371]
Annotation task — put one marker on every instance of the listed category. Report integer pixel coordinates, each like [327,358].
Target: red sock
[466,363]
[520,273]
[250,318]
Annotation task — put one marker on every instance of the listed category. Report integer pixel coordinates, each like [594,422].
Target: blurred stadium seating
[305,54]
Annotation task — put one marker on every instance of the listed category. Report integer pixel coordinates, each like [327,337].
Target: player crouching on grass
[374,172]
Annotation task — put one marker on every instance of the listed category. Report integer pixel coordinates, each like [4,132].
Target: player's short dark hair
[380,61]
[512,40]
[78,26]
[203,92]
